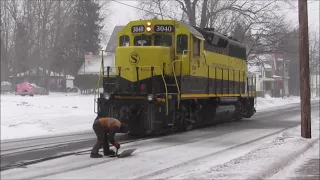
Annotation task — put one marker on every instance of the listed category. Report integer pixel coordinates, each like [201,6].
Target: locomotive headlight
[148,23]
[148,29]
[106,96]
[150,97]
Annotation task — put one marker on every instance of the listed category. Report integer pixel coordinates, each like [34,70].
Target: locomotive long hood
[141,59]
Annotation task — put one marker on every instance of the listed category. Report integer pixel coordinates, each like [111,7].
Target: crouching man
[105,129]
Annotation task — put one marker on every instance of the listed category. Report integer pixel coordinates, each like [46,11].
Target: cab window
[162,40]
[196,46]
[182,43]
[142,41]
[124,40]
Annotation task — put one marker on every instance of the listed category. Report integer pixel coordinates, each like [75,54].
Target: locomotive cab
[144,59]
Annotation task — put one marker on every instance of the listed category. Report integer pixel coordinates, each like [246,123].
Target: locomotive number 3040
[163,28]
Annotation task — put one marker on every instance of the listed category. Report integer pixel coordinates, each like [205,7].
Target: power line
[118,1]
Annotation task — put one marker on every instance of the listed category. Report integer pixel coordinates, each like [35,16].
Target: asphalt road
[13,152]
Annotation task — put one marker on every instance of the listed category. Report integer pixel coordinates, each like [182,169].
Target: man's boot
[109,153]
[95,155]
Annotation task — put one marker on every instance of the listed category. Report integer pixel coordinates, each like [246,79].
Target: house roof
[33,72]
[112,43]
[254,69]
[93,66]
[263,58]
[267,66]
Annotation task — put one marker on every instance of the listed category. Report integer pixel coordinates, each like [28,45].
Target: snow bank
[268,102]
[45,115]
[265,160]
[66,113]
[292,171]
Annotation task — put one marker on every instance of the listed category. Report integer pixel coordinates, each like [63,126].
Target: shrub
[86,81]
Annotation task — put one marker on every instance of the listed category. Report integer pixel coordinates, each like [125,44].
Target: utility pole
[283,69]
[304,70]
[317,74]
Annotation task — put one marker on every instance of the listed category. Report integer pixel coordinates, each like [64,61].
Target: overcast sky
[122,14]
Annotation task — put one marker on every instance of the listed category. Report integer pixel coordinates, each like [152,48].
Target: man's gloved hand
[117,145]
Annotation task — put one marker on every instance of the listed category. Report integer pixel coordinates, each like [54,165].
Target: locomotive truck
[170,75]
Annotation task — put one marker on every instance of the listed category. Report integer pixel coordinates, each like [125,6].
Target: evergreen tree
[83,34]
[21,48]
[4,61]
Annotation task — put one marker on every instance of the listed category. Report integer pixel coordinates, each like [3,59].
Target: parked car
[30,89]
[6,87]
[38,89]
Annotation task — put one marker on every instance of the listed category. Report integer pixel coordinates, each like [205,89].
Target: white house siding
[314,83]
[93,66]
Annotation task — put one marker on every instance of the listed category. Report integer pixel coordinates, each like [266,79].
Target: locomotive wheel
[165,132]
[183,124]
[238,117]
[206,115]
[238,113]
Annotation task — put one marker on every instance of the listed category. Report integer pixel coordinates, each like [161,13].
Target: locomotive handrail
[98,84]
[175,77]
[164,82]
[110,67]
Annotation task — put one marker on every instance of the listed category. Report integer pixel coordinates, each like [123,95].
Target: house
[264,79]
[269,72]
[88,74]
[57,81]
[92,64]
[315,84]
[281,76]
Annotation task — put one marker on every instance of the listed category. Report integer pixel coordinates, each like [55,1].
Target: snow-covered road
[212,153]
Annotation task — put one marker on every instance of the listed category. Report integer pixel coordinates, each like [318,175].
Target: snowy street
[234,150]
[61,113]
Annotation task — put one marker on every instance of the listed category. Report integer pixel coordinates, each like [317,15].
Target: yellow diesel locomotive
[169,75]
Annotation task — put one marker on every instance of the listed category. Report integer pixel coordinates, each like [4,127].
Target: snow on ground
[45,115]
[268,102]
[66,113]
[292,171]
[257,163]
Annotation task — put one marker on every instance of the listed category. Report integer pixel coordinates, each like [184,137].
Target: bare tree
[37,33]
[314,52]
[261,25]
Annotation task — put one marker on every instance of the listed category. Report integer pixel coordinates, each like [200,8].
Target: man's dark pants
[102,138]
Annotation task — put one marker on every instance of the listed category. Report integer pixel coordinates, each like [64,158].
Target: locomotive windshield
[142,41]
[158,40]
[162,40]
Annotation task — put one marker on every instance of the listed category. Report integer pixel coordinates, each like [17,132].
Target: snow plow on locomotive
[169,75]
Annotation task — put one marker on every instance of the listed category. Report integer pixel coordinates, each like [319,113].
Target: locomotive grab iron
[169,75]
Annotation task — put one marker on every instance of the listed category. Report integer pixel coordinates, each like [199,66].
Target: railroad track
[123,140]
[21,145]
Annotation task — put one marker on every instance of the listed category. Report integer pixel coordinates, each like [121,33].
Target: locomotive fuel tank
[224,112]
